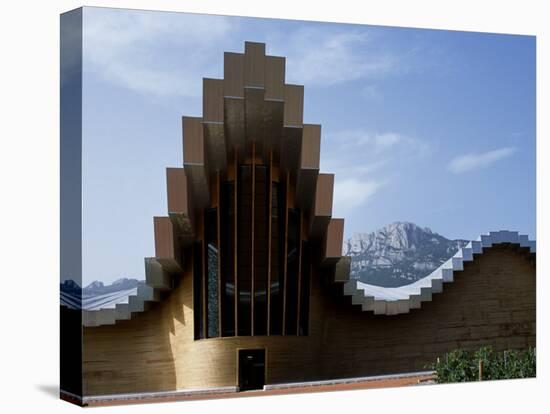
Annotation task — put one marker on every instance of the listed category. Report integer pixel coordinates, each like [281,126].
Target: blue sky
[433,127]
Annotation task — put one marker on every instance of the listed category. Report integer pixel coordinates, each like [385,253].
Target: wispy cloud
[153,53]
[351,193]
[377,142]
[328,56]
[475,161]
[366,162]
[164,54]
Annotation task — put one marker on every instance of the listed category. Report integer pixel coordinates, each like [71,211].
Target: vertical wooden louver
[254,206]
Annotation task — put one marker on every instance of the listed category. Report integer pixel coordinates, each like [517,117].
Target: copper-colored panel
[213,117]
[254,117]
[306,183]
[212,100]
[233,73]
[291,141]
[166,246]
[216,150]
[306,180]
[334,238]
[194,160]
[275,78]
[176,182]
[179,208]
[234,122]
[318,226]
[294,105]
[323,195]
[322,209]
[311,146]
[254,64]
[197,179]
[273,127]
[193,140]
[164,237]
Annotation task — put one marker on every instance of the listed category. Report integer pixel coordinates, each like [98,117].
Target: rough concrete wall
[491,302]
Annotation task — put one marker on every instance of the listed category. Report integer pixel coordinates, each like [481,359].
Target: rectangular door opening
[251,369]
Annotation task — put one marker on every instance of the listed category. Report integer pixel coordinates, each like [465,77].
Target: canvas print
[263,206]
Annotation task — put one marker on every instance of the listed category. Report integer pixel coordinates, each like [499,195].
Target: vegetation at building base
[485,364]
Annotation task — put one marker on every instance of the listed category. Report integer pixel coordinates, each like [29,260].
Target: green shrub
[460,365]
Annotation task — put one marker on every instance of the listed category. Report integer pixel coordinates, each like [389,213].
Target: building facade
[248,286]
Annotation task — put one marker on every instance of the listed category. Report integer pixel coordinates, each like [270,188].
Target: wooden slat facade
[166,244]
[294,105]
[194,161]
[332,251]
[254,64]
[322,207]
[179,205]
[275,78]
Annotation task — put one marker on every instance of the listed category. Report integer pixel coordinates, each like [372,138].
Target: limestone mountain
[398,254]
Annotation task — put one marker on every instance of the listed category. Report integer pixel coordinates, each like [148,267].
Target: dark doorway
[251,369]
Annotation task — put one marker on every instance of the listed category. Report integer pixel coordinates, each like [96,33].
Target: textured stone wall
[492,302]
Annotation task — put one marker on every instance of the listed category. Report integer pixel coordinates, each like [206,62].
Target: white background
[29,206]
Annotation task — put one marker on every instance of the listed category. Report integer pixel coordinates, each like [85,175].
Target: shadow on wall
[491,302]
[113,354]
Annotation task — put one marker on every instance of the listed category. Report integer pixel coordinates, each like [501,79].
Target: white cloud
[474,161]
[377,143]
[151,52]
[387,140]
[165,54]
[365,162]
[324,56]
[351,193]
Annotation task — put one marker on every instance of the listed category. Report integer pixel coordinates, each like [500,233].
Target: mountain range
[97,287]
[395,255]
[398,254]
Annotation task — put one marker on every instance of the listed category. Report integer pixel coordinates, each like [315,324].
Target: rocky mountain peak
[398,235]
[398,253]
[96,284]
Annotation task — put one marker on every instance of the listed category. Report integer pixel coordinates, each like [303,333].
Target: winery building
[248,287]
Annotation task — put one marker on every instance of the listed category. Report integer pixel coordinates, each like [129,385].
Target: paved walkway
[296,388]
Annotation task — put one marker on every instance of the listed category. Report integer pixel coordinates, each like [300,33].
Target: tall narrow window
[211,259]
[261,216]
[244,246]
[303,328]
[197,291]
[227,258]
[292,267]
[277,247]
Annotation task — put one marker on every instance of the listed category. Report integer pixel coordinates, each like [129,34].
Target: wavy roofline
[399,300]
[380,300]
